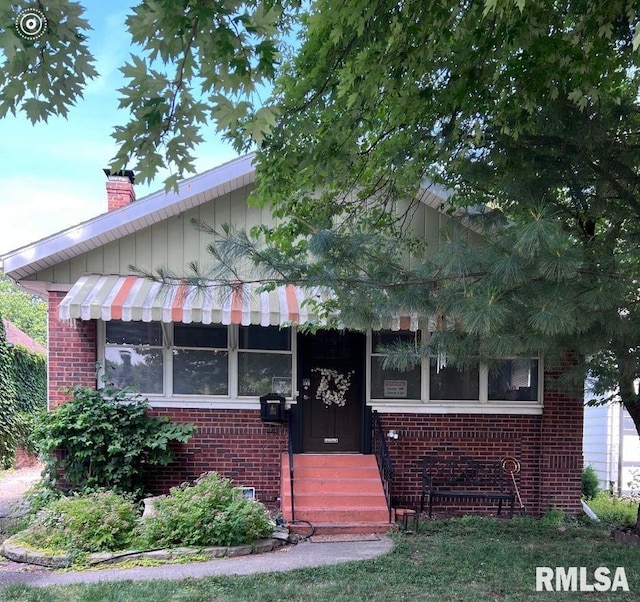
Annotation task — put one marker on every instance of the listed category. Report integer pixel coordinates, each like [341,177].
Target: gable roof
[156,207]
[17,337]
[142,213]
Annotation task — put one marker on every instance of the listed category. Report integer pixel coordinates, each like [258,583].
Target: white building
[612,446]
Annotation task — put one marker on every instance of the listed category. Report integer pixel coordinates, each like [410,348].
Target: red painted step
[336,493]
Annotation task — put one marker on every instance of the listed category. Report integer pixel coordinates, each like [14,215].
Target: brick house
[207,359]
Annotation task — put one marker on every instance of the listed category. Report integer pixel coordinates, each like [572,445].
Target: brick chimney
[120,190]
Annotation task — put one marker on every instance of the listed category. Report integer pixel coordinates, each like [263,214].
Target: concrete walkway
[288,558]
[304,554]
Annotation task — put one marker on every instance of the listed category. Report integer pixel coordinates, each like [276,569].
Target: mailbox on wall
[272,408]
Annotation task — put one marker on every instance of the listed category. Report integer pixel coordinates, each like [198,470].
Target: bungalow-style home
[208,360]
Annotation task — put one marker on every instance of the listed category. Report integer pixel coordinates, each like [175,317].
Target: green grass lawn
[470,559]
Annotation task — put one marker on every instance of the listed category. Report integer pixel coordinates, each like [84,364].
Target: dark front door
[331,387]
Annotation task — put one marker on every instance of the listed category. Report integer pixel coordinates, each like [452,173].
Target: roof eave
[102,229]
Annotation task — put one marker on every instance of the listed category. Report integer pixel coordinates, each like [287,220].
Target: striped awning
[133,298]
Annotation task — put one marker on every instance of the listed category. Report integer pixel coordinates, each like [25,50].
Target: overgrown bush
[210,512]
[590,483]
[96,522]
[614,510]
[105,439]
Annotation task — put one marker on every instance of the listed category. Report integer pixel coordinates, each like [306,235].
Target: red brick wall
[234,443]
[478,436]
[120,192]
[71,353]
[561,458]
[549,448]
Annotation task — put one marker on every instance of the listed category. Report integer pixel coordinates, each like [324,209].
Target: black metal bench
[467,479]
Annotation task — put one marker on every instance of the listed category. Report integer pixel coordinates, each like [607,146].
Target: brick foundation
[25,459]
[234,443]
[453,436]
[549,448]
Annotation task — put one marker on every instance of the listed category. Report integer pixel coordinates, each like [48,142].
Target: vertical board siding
[95,263]
[191,236]
[111,258]
[159,249]
[176,259]
[175,241]
[143,257]
[172,242]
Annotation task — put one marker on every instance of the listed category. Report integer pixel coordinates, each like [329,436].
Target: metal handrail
[290,444]
[381,451]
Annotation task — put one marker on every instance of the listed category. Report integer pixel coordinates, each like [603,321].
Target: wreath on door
[333,386]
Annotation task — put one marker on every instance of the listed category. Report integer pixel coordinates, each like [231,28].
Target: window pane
[514,380]
[262,373]
[388,338]
[453,383]
[200,372]
[265,337]
[134,367]
[394,384]
[200,335]
[133,333]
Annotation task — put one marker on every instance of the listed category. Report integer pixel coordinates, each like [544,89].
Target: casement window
[198,360]
[389,383]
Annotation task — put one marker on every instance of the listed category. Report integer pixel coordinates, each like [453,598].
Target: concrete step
[341,492]
[344,500]
[353,528]
[323,485]
[333,460]
[345,516]
[342,472]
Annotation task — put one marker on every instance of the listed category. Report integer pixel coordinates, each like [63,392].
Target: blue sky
[51,174]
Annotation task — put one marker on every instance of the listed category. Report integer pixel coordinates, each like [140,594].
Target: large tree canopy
[524,107]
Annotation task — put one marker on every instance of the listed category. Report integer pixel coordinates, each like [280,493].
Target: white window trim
[455,406]
[422,406]
[230,401]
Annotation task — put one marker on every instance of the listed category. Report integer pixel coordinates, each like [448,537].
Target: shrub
[553,518]
[210,512]
[590,482]
[95,522]
[105,439]
[614,510]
